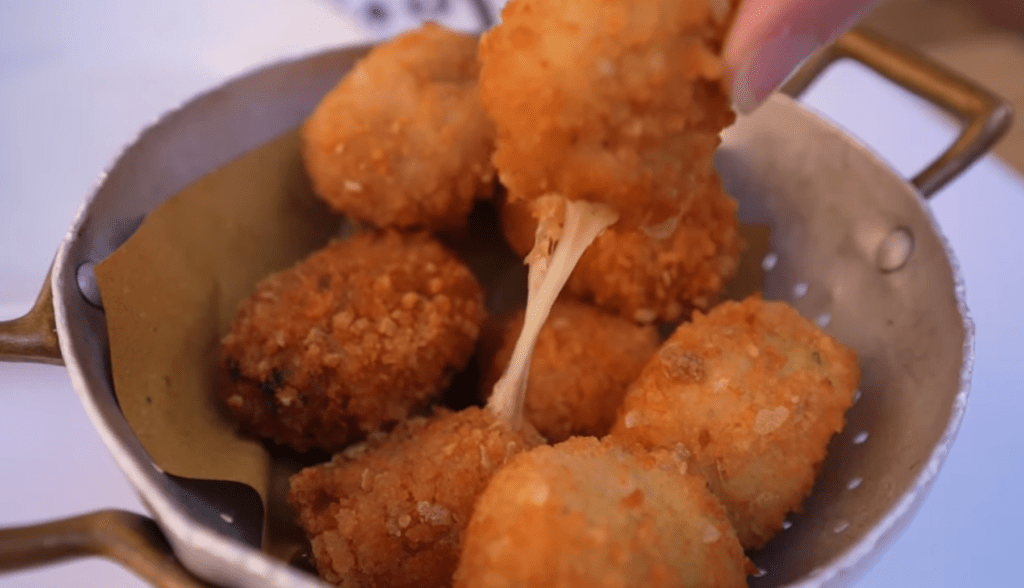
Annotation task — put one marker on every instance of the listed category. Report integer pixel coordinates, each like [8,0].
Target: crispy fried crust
[587,513]
[609,101]
[580,369]
[354,338]
[644,275]
[391,512]
[753,391]
[402,140]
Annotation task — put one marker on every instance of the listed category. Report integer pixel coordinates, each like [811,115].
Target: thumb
[770,38]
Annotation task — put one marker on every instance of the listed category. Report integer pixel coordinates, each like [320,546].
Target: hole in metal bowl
[894,251]
[823,320]
[85,277]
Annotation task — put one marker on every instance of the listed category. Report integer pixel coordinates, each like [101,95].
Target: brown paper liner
[171,291]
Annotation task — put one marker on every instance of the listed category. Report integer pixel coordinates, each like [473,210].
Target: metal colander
[853,248]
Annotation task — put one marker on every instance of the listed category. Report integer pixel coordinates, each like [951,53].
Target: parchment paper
[171,291]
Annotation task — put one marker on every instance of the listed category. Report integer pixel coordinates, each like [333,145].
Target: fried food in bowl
[752,392]
[402,141]
[355,338]
[391,511]
[591,513]
[583,362]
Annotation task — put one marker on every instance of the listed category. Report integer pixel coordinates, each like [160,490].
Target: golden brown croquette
[580,368]
[614,102]
[644,275]
[590,513]
[391,511]
[752,392]
[356,337]
[402,141]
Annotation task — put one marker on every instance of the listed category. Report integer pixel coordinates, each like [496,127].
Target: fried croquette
[356,337]
[648,276]
[391,511]
[614,102]
[612,109]
[589,513]
[753,392]
[403,141]
[581,366]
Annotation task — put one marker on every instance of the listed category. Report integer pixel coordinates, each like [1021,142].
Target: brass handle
[130,539]
[32,337]
[985,117]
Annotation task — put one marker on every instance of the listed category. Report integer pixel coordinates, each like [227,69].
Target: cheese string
[584,221]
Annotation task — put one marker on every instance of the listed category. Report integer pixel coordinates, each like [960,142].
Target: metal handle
[32,337]
[130,539]
[985,116]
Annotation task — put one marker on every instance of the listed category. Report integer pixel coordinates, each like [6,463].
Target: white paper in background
[909,131]
[55,465]
[79,80]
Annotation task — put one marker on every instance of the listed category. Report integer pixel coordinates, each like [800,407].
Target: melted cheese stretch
[584,221]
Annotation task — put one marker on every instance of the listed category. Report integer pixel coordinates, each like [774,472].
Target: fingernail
[743,99]
[762,72]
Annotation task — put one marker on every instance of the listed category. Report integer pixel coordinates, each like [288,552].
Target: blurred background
[984,38]
[79,80]
[981,38]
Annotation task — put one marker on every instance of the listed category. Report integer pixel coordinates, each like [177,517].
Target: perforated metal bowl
[853,248]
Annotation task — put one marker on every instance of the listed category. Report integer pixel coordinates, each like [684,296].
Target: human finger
[770,38]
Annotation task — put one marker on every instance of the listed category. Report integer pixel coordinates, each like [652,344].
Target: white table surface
[79,80]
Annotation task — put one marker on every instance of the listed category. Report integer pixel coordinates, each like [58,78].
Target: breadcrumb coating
[614,102]
[646,275]
[753,392]
[354,338]
[589,513]
[391,511]
[583,362]
[403,141]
